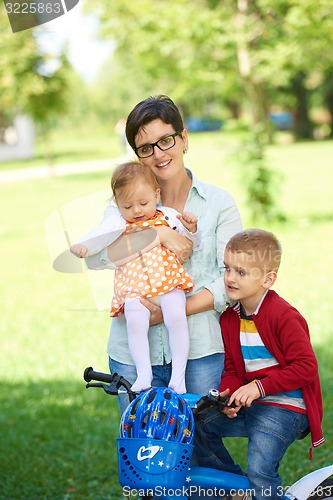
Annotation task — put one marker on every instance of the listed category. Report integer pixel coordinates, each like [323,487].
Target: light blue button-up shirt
[218,220]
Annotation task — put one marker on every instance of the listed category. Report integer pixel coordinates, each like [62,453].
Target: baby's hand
[79,250]
[189,221]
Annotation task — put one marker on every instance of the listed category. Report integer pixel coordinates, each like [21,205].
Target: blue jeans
[201,375]
[270,431]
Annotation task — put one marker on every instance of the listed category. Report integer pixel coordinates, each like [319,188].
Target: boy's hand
[245,395]
[188,220]
[231,412]
[79,250]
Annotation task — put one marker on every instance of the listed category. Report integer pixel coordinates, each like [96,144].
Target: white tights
[137,320]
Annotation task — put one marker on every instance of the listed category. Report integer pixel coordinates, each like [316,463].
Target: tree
[178,45]
[302,55]
[28,82]
[328,95]
[252,52]
[227,51]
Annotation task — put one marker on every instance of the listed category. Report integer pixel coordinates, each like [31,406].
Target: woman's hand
[156,315]
[175,242]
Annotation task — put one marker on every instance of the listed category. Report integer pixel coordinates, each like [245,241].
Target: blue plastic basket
[151,462]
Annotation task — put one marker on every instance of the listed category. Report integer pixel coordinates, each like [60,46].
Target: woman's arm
[199,302]
[132,245]
[175,242]
[129,246]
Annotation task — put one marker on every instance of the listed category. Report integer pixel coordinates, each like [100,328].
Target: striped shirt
[259,362]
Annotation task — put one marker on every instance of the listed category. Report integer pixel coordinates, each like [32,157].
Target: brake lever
[108,388]
[213,400]
[94,384]
[112,389]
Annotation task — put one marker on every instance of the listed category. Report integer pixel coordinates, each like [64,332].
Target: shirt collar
[237,305]
[262,300]
[196,184]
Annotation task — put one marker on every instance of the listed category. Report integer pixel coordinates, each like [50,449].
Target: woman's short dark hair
[152,108]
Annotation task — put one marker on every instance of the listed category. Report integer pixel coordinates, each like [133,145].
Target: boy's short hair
[130,173]
[262,245]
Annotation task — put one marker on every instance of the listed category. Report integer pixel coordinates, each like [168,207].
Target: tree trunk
[328,95]
[255,89]
[303,125]
[234,108]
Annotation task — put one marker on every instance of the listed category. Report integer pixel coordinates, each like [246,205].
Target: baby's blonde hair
[130,173]
[262,245]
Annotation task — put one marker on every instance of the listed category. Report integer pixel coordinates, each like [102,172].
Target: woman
[155,131]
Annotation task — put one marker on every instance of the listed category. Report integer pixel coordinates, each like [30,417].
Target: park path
[59,170]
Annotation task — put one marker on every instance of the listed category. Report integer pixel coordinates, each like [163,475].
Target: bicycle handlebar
[110,383]
[199,404]
[90,374]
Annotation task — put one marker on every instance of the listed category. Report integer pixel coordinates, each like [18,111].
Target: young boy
[271,371]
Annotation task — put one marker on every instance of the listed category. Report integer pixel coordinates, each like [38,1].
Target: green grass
[69,146]
[57,438]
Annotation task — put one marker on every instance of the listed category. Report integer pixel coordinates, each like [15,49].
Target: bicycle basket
[148,463]
[156,432]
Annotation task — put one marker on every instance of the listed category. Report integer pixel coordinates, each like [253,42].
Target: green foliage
[110,100]
[211,56]
[49,97]
[172,56]
[239,55]
[27,85]
[261,182]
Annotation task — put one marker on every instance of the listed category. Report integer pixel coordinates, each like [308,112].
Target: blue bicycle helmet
[159,413]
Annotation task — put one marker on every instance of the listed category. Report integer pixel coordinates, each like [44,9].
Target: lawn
[57,438]
[70,146]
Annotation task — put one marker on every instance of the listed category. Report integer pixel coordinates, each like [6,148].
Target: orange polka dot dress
[154,273]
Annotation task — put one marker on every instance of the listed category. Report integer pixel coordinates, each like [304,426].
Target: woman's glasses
[163,144]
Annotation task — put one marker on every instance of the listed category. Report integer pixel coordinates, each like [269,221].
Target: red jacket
[286,335]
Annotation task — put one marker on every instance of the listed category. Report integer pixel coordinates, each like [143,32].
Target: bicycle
[160,466]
